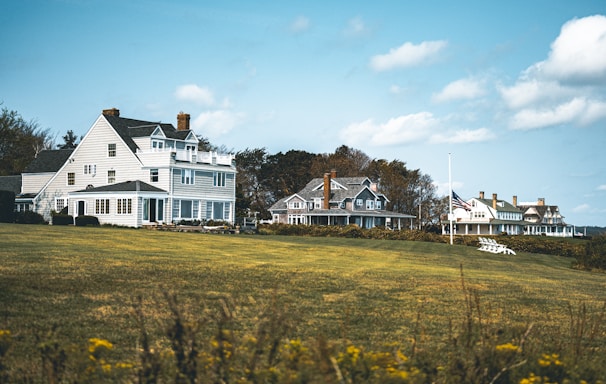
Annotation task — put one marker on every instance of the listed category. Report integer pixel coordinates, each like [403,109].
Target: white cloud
[395,89]
[581,208]
[569,112]
[530,91]
[464,136]
[300,24]
[577,55]
[567,87]
[213,124]
[602,187]
[355,28]
[399,130]
[196,94]
[407,55]
[463,89]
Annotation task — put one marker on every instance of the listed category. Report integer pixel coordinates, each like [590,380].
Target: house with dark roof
[152,168]
[544,220]
[333,200]
[486,217]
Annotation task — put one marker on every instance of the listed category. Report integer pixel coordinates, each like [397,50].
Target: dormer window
[157,145]
[370,204]
[378,204]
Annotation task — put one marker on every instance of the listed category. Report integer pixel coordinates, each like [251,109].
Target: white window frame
[124,206]
[64,203]
[154,173]
[359,202]
[188,176]
[219,179]
[157,145]
[111,150]
[378,204]
[370,205]
[295,205]
[102,206]
[90,169]
[111,176]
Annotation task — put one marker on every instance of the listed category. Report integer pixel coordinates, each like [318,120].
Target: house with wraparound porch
[333,200]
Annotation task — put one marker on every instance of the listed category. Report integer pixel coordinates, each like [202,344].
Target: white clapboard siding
[34,182]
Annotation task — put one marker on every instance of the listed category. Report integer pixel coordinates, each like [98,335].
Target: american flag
[457,202]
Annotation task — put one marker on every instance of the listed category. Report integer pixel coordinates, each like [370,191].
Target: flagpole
[450,197]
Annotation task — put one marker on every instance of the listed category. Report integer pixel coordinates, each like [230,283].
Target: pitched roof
[502,205]
[128,128]
[50,160]
[314,190]
[353,185]
[11,183]
[126,186]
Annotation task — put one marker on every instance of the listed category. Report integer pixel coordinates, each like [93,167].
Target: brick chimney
[183,121]
[541,201]
[481,194]
[327,190]
[112,112]
[333,173]
[515,201]
[494,201]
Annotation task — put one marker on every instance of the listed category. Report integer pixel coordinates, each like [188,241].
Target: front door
[81,208]
[152,210]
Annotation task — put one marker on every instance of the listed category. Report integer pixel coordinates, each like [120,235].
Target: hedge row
[531,244]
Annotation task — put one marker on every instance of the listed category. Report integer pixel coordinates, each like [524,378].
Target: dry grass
[85,280]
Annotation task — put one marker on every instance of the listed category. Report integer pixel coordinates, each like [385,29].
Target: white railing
[191,156]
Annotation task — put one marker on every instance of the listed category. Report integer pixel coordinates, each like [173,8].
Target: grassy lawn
[85,281]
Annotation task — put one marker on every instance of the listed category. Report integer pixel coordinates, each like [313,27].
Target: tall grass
[175,303]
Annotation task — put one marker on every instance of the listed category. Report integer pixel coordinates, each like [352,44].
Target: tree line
[263,178]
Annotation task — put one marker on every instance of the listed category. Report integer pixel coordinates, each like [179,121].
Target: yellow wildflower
[507,347]
[401,357]
[96,343]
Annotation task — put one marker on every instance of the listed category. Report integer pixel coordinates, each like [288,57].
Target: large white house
[494,217]
[133,172]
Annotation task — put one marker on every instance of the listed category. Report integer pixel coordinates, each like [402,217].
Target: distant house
[333,200]
[544,220]
[133,172]
[494,216]
[487,217]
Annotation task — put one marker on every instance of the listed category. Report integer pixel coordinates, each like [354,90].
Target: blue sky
[515,91]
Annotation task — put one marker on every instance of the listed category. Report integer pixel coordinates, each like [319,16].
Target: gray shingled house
[333,200]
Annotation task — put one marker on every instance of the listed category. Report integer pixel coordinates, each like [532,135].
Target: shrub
[60,219]
[29,217]
[85,221]
[594,255]
[7,207]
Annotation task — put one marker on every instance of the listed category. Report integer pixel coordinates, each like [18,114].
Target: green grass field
[370,292]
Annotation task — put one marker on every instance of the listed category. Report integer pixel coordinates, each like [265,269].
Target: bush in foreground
[87,221]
